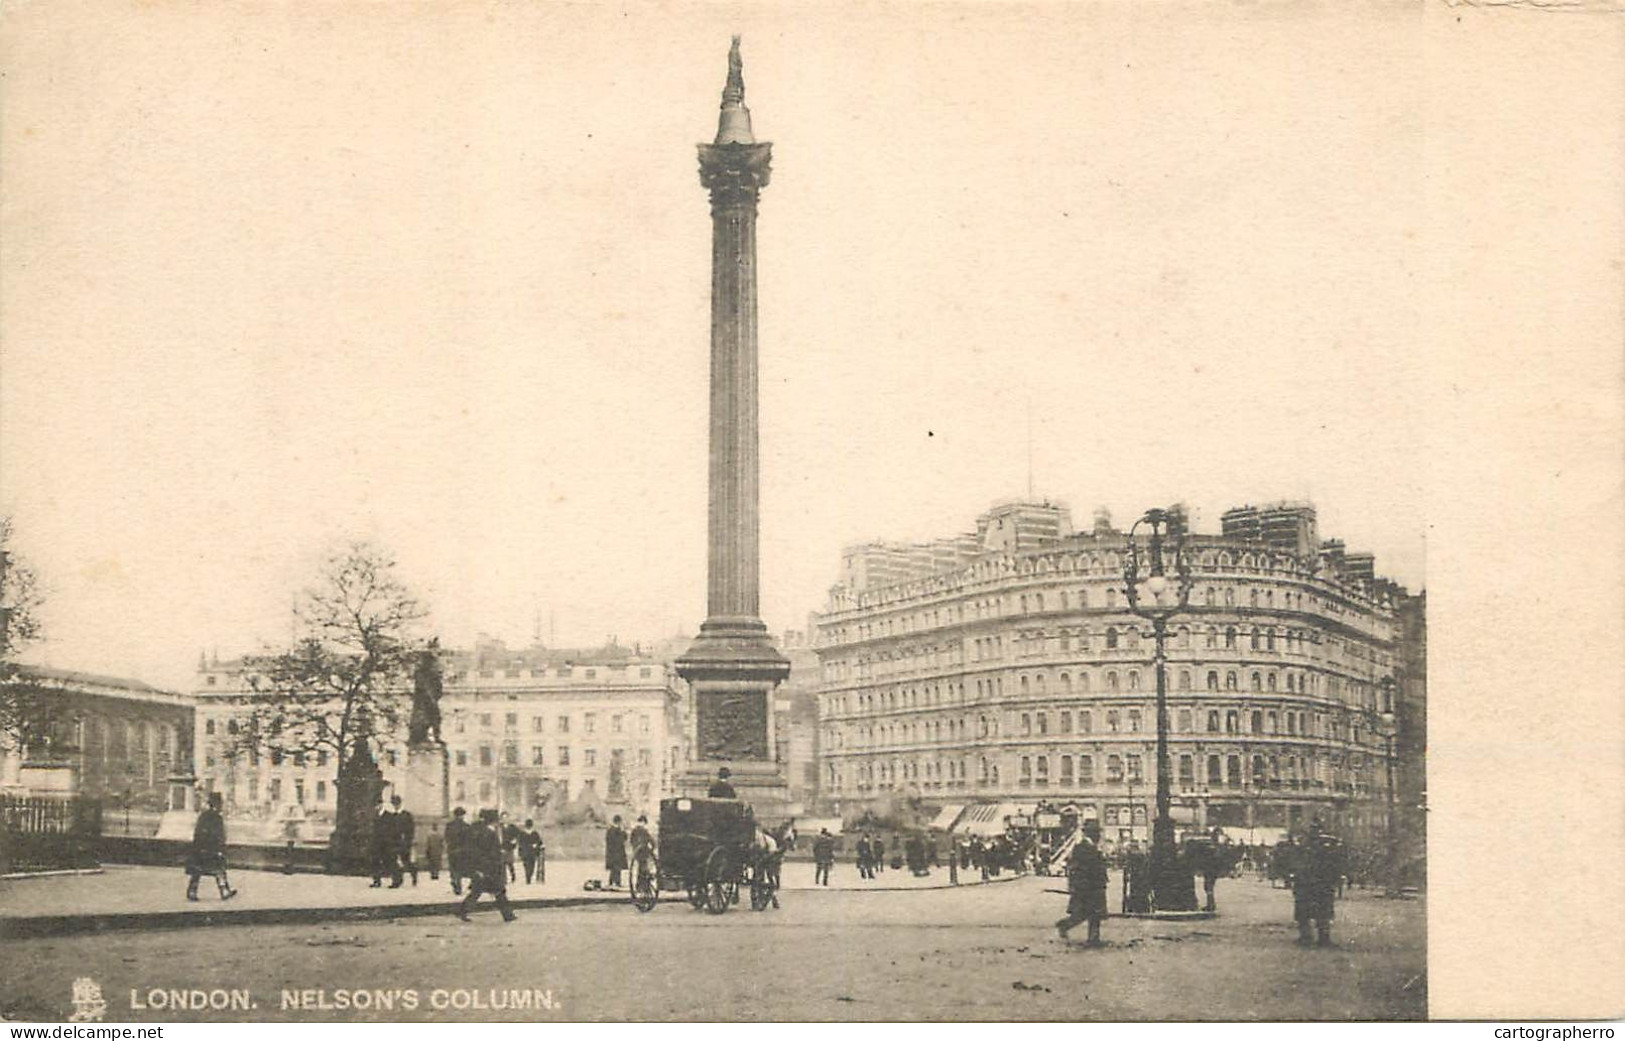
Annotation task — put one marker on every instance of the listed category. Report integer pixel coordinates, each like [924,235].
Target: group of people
[1313,864]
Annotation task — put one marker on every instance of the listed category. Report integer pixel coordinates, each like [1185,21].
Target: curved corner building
[984,673]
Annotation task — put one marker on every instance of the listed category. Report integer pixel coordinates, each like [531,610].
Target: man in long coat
[487,871]
[458,834]
[615,852]
[208,853]
[1316,867]
[823,856]
[1086,888]
[405,834]
[385,847]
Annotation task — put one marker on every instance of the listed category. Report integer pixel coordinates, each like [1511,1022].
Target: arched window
[1134,721]
[1083,682]
[1212,636]
[1230,636]
[1066,683]
[1111,681]
[1269,638]
[1184,679]
[1111,596]
[1230,681]
[1232,721]
[1211,596]
[1024,684]
[1275,723]
[1134,679]
[1113,721]
[1257,722]
[1258,682]
[1256,637]
[1038,682]
[1252,598]
[1213,721]
[1111,638]
[1133,637]
[1212,681]
[1184,636]
[1230,598]
[1272,681]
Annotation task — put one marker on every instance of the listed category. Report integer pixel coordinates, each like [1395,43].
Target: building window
[1026,770]
[1215,771]
[536,758]
[208,727]
[1086,721]
[645,757]
[1113,721]
[1258,682]
[1134,769]
[1184,720]
[1134,721]
[510,721]
[564,724]
[485,791]
[1134,679]
[1212,681]
[1230,681]
[1043,723]
[1230,637]
[615,723]
[462,791]
[1043,769]
[1232,722]
[1271,681]
[564,755]
[1233,771]
[1026,725]
[1187,771]
[589,757]
[485,755]
[536,724]
[1111,681]
[485,720]
[1114,769]
[1086,770]
[1066,722]
[589,722]
[1111,637]
[1258,722]
[643,724]
[1212,638]
[462,757]
[1066,771]
[1213,721]
[1184,679]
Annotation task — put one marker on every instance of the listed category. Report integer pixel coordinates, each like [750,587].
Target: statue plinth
[424,790]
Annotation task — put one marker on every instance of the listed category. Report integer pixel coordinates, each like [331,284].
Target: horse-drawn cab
[708,848]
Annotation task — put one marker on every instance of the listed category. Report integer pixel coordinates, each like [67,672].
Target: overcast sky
[445,285]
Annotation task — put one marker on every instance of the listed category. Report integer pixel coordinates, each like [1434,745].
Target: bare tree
[344,686]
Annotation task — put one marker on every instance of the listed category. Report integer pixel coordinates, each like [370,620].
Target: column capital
[734,174]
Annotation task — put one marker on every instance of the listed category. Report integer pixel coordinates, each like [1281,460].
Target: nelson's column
[732,666]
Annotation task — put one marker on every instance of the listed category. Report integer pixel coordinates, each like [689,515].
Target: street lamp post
[1388,730]
[1172,887]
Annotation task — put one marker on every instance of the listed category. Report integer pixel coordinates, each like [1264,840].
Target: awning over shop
[946,817]
[989,818]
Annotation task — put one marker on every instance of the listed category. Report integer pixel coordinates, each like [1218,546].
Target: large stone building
[526,730]
[1022,675]
[108,737]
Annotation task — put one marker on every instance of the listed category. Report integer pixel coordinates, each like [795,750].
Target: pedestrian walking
[541,859]
[615,852]
[405,833]
[510,846]
[384,848]
[434,851]
[879,856]
[1317,863]
[208,853]
[1086,888]
[459,832]
[487,871]
[865,857]
[530,841]
[823,857]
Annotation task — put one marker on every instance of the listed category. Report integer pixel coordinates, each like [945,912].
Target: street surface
[974,953]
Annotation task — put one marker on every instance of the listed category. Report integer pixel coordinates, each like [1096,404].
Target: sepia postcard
[534,512]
